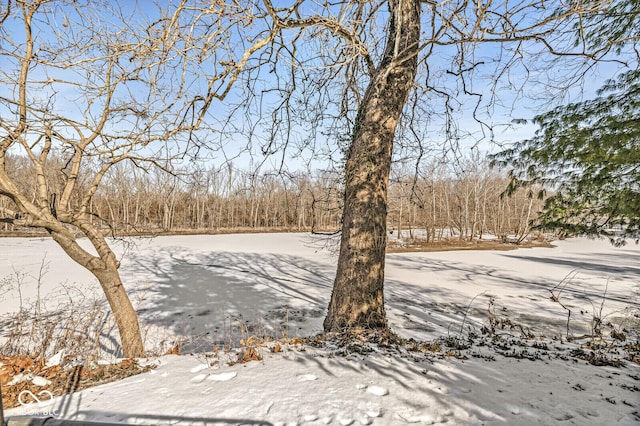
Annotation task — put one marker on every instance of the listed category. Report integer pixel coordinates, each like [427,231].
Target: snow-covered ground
[202,288]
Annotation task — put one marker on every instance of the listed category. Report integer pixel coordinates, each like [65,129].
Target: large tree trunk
[357,300]
[105,268]
[123,313]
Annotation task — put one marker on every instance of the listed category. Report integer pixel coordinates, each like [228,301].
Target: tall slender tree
[358,291]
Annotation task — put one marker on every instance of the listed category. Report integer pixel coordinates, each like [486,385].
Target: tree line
[465,202]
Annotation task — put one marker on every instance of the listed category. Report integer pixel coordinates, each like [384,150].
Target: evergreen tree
[586,157]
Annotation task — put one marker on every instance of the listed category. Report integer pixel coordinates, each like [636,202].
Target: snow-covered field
[201,288]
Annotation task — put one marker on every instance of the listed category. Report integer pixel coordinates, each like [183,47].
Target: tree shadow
[424,310]
[416,386]
[614,266]
[218,298]
[222,297]
[154,419]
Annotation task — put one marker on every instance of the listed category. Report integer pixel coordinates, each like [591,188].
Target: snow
[279,284]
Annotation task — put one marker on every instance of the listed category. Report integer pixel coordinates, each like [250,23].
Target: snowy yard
[200,289]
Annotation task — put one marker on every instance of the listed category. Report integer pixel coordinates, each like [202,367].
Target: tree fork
[105,269]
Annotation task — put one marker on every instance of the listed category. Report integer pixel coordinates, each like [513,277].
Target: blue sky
[534,99]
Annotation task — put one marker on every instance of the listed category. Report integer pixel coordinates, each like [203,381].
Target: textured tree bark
[357,300]
[105,269]
[123,313]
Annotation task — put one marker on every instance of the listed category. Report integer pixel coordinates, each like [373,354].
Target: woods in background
[463,202]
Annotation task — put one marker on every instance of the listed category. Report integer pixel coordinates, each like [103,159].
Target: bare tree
[370,75]
[378,67]
[85,86]
[358,298]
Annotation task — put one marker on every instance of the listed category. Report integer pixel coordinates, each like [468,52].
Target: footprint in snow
[199,378]
[370,409]
[199,368]
[366,420]
[375,390]
[374,412]
[411,416]
[306,377]
[223,377]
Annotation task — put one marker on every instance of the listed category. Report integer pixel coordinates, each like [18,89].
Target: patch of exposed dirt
[22,373]
[453,244]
